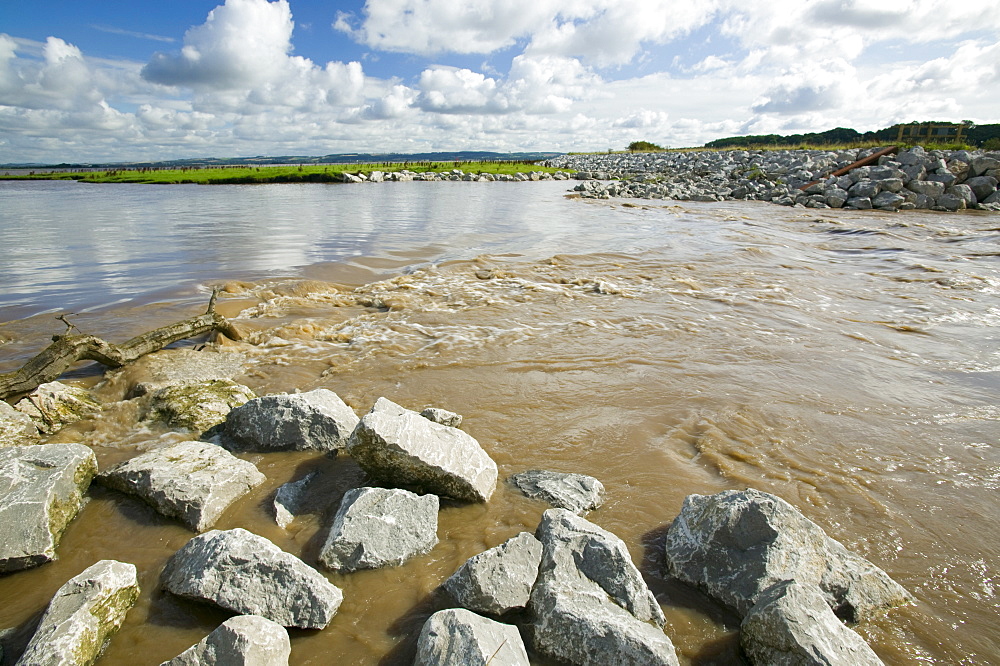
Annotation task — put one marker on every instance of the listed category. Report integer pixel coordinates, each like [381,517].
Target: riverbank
[912,179]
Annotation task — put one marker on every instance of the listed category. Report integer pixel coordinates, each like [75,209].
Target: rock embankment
[454,175]
[913,179]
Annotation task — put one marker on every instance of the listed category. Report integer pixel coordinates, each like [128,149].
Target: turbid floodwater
[845,361]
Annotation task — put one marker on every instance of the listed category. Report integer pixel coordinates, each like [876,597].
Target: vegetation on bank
[248,175]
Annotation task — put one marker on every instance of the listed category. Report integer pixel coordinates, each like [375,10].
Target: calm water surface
[846,361]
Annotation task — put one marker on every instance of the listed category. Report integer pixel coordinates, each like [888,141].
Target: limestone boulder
[457,637]
[194,482]
[244,640]
[576,492]
[16,427]
[380,527]
[982,186]
[316,420]
[927,187]
[792,624]
[290,499]
[887,200]
[247,574]
[980,165]
[401,448]
[42,488]
[736,544]
[497,580]
[174,367]
[83,615]
[442,416]
[589,604]
[199,406]
[54,405]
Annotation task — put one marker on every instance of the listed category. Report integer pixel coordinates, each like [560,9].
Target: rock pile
[912,179]
[454,175]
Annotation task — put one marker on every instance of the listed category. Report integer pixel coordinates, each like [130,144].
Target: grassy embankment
[239,175]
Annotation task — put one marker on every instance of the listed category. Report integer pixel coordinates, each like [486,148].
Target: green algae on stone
[54,405]
[198,406]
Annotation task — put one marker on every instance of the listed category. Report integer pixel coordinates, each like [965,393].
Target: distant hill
[976,136]
[343,158]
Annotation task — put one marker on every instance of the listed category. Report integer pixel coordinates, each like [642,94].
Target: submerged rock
[83,615]
[317,420]
[380,527]
[199,406]
[289,499]
[173,367]
[42,489]
[735,545]
[590,605]
[457,637]
[400,447]
[54,405]
[247,574]
[16,427]
[499,579]
[191,481]
[575,492]
[244,640]
[792,624]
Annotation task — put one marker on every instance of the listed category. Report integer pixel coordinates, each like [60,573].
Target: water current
[846,361]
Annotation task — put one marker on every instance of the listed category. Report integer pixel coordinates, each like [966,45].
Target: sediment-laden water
[846,361]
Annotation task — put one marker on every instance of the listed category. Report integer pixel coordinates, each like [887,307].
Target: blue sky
[86,81]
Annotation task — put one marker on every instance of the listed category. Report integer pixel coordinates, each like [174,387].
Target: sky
[135,81]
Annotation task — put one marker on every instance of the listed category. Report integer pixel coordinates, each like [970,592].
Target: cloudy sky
[97,81]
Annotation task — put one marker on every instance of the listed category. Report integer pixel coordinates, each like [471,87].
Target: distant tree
[644,147]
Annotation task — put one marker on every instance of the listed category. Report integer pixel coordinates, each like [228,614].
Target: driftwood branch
[66,350]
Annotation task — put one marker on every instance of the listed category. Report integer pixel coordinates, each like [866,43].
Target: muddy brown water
[845,361]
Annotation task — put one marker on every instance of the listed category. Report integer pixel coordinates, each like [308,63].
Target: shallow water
[845,361]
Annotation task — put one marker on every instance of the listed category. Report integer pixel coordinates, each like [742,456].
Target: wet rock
[860,203]
[247,574]
[864,188]
[316,420]
[735,545]
[289,500]
[887,200]
[951,202]
[54,405]
[576,492]
[83,615]
[200,406]
[442,416]
[171,367]
[964,192]
[16,428]
[982,186]
[244,640]
[191,481]
[42,488]
[792,624]
[929,188]
[380,527]
[590,604]
[499,579]
[980,165]
[457,637]
[400,447]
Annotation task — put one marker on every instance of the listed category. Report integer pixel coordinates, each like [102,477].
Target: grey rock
[499,579]
[890,184]
[199,406]
[83,615]
[910,158]
[317,420]
[861,203]
[590,604]
[575,492]
[42,488]
[864,189]
[791,624]
[54,405]
[960,169]
[951,202]
[993,198]
[836,197]
[170,367]
[887,200]
[964,192]
[929,188]
[735,545]
[244,640]
[457,637]
[919,201]
[290,498]
[945,179]
[915,172]
[980,165]
[400,447]
[442,416]
[194,482]
[982,186]
[380,527]
[247,574]
[16,428]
